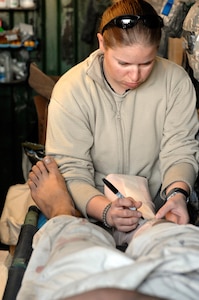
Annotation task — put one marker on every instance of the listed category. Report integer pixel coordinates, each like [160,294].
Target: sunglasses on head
[129,21]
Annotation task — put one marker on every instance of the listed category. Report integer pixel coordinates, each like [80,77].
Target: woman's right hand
[121,217]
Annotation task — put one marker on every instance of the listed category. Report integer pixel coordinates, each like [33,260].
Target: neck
[114,89]
[106,78]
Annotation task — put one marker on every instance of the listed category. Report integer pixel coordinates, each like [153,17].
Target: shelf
[10,46]
[7,9]
[14,82]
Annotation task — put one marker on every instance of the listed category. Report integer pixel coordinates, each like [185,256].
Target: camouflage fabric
[191,38]
[173,14]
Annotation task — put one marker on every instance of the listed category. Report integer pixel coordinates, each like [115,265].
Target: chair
[43,85]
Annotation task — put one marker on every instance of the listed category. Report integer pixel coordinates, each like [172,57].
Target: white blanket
[18,200]
[72,256]
[5,261]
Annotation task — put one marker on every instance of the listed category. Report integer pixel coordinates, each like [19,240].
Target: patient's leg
[70,254]
[113,293]
[48,189]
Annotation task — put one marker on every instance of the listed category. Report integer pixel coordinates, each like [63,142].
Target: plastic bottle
[8,67]
[3,3]
[2,74]
[27,3]
[13,3]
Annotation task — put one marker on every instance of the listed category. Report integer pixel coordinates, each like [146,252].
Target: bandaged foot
[48,189]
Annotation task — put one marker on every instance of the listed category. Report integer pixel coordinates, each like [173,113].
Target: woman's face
[127,67]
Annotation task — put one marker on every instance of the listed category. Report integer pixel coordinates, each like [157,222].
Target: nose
[134,73]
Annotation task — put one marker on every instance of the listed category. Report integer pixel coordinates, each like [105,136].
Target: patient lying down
[74,259]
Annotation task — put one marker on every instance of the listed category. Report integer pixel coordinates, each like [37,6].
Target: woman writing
[126,111]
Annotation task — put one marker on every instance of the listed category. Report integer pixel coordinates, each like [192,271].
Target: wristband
[104,215]
[175,191]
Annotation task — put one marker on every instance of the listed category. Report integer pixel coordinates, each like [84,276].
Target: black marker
[115,191]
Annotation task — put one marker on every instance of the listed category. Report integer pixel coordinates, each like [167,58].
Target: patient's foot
[48,189]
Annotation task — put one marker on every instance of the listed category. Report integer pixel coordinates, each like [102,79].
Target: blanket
[72,256]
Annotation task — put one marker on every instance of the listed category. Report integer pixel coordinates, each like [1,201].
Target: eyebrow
[129,63]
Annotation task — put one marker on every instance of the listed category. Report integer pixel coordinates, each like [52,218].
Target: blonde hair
[139,34]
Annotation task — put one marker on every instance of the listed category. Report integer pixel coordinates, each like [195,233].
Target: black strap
[176,191]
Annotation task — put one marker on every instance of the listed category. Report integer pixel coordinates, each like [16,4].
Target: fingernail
[47,159]
[132,208]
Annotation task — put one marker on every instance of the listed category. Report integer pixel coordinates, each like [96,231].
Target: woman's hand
[121,216]
[175,210]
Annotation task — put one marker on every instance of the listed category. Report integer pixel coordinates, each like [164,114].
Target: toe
[50,164]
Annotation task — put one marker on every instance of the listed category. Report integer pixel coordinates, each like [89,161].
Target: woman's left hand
[175,210]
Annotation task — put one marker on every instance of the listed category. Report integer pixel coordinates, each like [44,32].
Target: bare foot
[48,189]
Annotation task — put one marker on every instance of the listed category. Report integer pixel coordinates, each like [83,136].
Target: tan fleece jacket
[149,131]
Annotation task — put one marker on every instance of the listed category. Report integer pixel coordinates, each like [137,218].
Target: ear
[101,42]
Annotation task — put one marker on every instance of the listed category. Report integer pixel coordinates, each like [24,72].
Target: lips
[132,84]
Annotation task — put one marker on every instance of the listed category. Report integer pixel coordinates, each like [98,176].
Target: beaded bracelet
[104,215]
[175,191]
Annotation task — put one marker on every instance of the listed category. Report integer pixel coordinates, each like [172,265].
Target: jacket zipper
[121,167]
